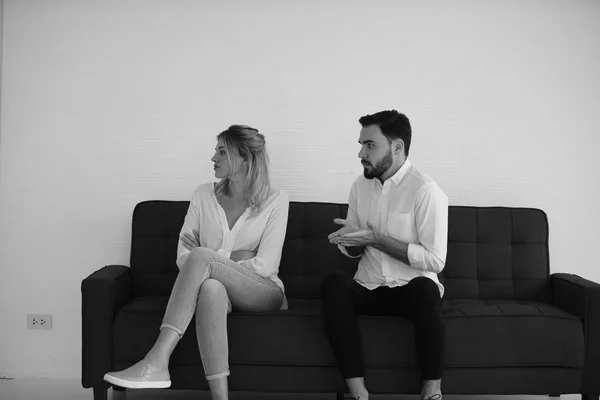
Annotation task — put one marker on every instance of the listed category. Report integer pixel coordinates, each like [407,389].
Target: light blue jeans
[210,285]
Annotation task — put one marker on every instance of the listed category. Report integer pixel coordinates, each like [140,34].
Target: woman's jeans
[209,285]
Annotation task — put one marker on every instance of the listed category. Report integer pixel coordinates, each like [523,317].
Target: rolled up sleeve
[431,221]
[351,217]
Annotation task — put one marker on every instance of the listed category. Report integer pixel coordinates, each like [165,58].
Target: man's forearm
[392,247]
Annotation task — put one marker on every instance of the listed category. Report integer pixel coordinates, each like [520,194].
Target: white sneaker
[140,376]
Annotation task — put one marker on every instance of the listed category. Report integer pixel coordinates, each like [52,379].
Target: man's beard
[380,168]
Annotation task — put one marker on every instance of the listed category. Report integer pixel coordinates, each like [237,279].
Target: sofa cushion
[479,333]
[511,333]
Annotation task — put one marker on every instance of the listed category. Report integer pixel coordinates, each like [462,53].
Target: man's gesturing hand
[352,236]
[347,228]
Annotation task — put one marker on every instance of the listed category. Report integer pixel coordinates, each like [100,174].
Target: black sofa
[512,328]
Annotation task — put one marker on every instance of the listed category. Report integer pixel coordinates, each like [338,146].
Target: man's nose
[361,154]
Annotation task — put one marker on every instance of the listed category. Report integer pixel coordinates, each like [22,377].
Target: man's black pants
[419,301]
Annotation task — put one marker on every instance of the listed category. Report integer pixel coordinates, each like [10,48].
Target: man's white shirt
[411,208]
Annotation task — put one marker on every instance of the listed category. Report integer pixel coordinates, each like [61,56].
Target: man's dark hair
[393,125]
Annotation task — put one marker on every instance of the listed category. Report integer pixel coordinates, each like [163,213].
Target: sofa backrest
[493,252]
[497,253]
[155,232]
[307,254]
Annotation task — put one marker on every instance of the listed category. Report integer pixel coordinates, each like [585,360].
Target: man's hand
[191,241]
[241,255]
[347,228]
[357,238]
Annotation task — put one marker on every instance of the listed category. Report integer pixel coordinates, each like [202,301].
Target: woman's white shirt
[262,231]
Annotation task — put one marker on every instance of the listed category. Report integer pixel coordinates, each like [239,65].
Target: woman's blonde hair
[247,143]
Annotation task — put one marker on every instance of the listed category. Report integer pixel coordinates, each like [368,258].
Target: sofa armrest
[581,297]
[102,294]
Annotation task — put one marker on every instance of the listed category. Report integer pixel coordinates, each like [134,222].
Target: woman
[228,255]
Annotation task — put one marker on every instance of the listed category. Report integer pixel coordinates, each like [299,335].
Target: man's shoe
[140,376]
[436,396]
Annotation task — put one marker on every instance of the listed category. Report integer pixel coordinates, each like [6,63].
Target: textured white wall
[108,103]
[1,24]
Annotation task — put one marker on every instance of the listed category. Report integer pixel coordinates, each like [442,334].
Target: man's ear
[398,146]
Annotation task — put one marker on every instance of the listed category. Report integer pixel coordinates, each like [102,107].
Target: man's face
[375,153]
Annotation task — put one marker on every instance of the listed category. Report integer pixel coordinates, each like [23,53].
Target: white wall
[1,24]
[108,103]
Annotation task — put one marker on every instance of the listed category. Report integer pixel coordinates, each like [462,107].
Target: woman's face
[221,162]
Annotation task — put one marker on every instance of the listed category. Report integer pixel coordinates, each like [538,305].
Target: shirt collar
[397,177]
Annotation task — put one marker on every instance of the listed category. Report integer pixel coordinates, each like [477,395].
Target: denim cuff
[173,327]
[215,376]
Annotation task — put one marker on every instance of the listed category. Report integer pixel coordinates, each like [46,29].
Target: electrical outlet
[39,321]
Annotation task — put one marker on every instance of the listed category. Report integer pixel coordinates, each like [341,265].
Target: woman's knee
[212,294]
[213,289]
[198,256]
[201,254]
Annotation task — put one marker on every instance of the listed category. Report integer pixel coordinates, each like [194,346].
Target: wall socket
[39,321]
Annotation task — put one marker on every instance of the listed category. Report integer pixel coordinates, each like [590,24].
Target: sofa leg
[590,397]
[340,396]
[100,393]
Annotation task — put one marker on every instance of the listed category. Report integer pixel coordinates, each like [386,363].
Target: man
[397,223]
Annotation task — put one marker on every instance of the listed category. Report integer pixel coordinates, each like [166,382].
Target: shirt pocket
[401,226]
